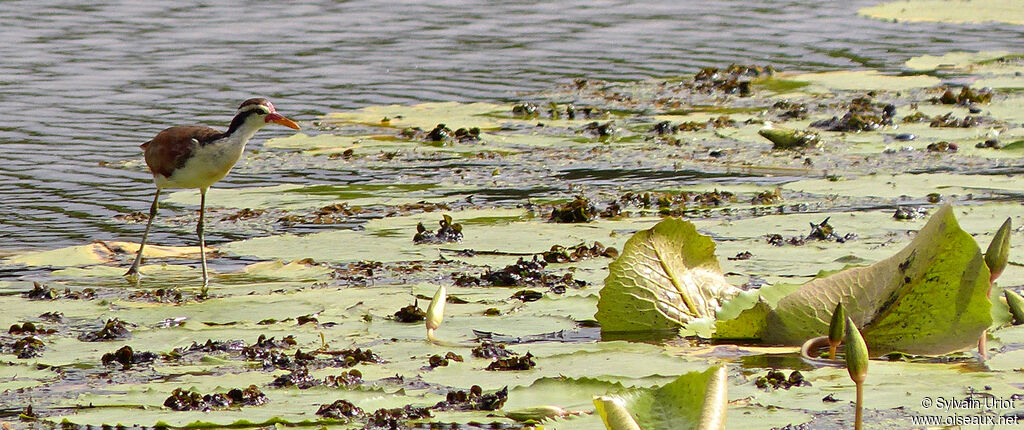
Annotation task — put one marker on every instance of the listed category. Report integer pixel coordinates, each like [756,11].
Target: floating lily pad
[864,80]
[485,116]
[952,60]
[98,252]
[955,11]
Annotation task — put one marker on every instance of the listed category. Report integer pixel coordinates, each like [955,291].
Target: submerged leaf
[666,277]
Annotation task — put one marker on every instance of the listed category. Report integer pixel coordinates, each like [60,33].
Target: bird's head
[261,112]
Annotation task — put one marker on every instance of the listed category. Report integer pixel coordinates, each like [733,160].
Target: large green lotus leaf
[665,277]
[695,400]
[929,298]
[952,60]
[953,11]
[426,115]
[863,80]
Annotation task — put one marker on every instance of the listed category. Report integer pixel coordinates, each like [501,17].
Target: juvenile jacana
[198,156]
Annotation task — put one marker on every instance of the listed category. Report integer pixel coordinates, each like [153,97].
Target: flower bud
[856,353]
[837,329]
[1016,304]
[998,252]
[435,312]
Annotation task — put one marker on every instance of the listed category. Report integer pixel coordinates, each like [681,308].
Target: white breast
[208,164]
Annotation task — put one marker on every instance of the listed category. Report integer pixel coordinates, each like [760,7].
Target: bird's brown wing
[171,148]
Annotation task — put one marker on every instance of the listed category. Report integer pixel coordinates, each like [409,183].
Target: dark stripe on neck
[239,119]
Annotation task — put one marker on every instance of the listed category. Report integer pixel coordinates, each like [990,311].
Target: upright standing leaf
[665,277]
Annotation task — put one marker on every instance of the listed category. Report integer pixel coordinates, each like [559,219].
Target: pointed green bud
[1016,304]
[856,353]
[435,312]
[998,252]
[614,413]
[837,329]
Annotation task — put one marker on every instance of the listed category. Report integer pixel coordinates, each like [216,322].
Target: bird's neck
[243,126]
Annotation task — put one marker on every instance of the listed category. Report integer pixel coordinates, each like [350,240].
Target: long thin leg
[134,270]
[199,230]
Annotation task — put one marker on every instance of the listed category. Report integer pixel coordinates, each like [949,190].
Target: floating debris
[438,360]
[448,232]
[340,410]
[473,400]
[745,255]
[966,97]
[863,115]
[394,418]
[784,138]
[527,295]
[942,146]
[127,357]
[576,211]
[524,273]
[735,79]
[410,314]
[29,328]
[181,400]
[775,379]
[917,116]
[113,329]
[26,347]
[488,349]
[909,212]
[245,214]
[561,254]
[518,362]
[948,120]
[824,231]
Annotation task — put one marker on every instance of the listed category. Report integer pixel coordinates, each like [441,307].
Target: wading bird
[198,156]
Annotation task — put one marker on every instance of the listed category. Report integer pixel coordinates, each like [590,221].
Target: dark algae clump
[182,400]
[113,329]
[578,210]
[449,232]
